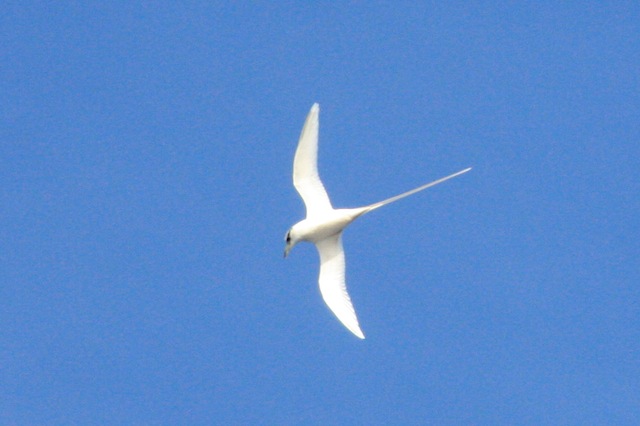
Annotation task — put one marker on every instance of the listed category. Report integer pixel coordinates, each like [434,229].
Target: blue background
[145,189]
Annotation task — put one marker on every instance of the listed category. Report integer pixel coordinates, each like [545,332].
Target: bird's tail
[413,191]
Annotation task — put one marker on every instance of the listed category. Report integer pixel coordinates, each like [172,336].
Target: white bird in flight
[323,225]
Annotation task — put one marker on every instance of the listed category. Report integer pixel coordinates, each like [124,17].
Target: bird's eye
[288,237]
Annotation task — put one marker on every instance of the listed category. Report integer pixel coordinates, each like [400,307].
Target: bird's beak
[286,251]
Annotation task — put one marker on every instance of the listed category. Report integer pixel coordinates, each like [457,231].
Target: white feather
[305,167]
[332,282]
[324,224]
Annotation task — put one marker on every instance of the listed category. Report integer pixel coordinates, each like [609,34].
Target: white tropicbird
[323,225]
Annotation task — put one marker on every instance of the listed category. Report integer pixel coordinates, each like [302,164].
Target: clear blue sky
[145,189]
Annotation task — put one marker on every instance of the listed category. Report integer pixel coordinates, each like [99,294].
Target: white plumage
[323,225]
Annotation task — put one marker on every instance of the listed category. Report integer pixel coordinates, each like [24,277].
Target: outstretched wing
[332,284]
[305,167]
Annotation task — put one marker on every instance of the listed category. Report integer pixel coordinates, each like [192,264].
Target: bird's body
[316,229]
[323,225]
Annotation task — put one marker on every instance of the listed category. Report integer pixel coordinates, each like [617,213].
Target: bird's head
[289,241]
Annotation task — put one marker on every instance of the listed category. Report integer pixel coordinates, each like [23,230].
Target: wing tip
[355,329]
